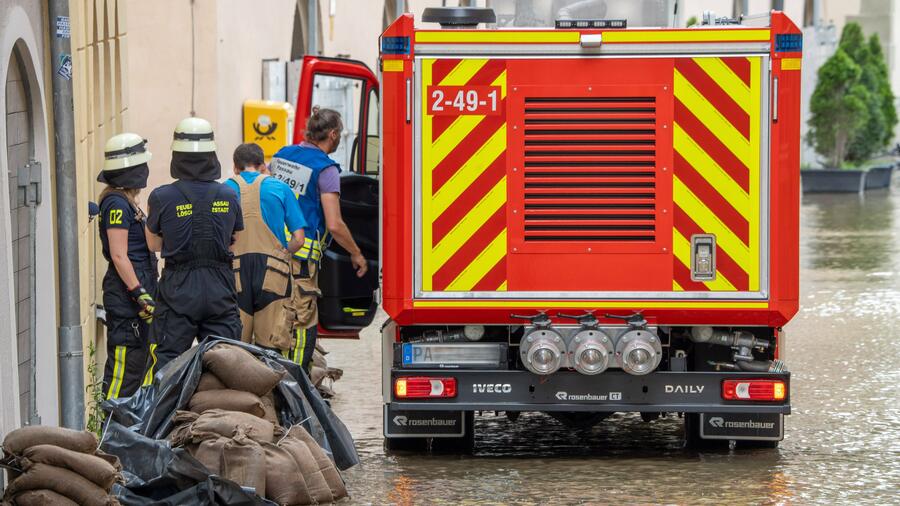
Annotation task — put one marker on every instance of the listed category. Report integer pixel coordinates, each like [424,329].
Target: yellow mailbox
[269,124]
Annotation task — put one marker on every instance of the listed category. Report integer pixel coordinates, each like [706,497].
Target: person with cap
[262,260]
[193,222]
[129,284]
[315,179]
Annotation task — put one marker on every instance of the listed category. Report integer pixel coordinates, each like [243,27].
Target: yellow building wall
[99,46]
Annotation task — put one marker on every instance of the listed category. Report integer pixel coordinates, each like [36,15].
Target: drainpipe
[71,354]
[312,27]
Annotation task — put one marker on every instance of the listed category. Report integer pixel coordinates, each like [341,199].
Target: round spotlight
[589,351]
[542,351]
[473,332]
[639,352]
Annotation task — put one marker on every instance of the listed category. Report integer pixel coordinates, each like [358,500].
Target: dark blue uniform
[196,297]
[127,335]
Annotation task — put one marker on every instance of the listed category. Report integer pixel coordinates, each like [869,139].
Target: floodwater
[842,442]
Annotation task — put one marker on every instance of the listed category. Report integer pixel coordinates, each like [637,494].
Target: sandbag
[111,459]
[316,486]
[75,440]
[326,466]
[42,498]
[228,400]
[240,370]
[318,359]
[270,414]
[244,462]
[217,422]
[62,481]
[285,484]
[316,374]
[209,381]
[209,453]
[181,435]
[95,469]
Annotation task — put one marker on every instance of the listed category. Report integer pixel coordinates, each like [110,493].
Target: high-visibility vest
[300,167]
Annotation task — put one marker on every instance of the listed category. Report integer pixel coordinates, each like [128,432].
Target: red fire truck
[578,220]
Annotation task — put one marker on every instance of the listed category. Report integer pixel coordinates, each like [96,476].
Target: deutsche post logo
[265,128]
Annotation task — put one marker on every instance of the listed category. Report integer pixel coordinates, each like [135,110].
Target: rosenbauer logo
[720,423]
[402,421]
[612,396]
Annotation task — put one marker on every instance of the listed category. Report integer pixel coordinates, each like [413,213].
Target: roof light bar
[591,23]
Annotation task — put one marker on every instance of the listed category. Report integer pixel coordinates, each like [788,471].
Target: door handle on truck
[408,100]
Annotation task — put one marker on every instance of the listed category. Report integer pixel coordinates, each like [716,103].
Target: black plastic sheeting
[157,474]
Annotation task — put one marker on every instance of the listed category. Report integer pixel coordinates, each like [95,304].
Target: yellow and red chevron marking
[463,184]
[716,176]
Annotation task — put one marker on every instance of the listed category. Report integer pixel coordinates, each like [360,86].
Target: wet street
[842,442]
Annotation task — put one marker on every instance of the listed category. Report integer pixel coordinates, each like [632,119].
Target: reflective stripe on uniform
[148,378]
[115,386]
[310,248]
[299,346]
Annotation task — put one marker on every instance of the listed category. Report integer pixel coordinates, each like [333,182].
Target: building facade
[29,382]
[27,253]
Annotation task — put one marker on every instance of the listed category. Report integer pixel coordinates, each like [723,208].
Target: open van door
[348,303]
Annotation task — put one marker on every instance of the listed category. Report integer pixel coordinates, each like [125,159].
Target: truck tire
[464,445]
[395,445]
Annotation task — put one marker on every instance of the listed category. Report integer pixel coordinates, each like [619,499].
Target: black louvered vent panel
[590,169]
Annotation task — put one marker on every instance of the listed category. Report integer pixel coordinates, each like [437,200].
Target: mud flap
[405,423]
[742,426]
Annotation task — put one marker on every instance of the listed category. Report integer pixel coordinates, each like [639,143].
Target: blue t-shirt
[277,203]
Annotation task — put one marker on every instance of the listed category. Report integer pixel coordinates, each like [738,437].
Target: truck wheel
[692,437]
[464,445]
[405,445]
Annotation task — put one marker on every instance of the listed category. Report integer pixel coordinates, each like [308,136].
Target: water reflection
[850,230]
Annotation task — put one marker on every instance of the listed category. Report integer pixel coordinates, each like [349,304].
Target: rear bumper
[611,391]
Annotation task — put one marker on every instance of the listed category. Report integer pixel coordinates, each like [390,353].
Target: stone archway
[20,150]
[28,344]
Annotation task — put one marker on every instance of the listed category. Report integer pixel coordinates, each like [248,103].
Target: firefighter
[194,223]
[129,284]
[262,262]
[315,179]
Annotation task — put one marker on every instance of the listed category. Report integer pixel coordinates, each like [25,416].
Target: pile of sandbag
[57,466]
[322,376]
[233,429]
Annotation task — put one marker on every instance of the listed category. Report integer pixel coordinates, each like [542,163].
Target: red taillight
[421,387]
[753,390]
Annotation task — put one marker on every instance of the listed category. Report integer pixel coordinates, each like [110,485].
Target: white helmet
[193,135]
[125,150]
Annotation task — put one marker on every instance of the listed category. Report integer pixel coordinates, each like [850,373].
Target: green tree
[883,87]
[852,108]
[837,107]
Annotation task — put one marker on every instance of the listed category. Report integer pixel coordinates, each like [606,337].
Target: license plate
[453,355]
[742,426]
[403,423]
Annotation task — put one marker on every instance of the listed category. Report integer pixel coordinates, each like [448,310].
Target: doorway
[20,156]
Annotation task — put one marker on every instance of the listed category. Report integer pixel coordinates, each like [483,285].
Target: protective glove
[145,301]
